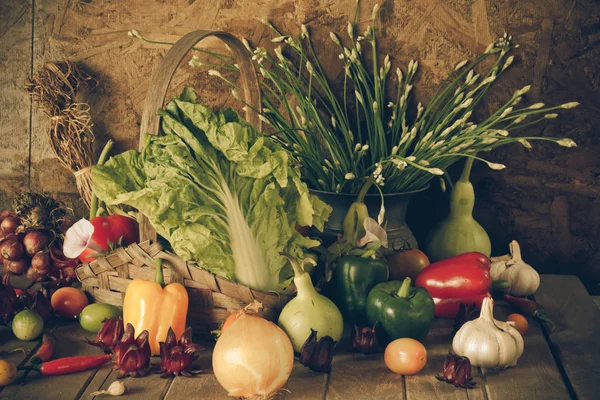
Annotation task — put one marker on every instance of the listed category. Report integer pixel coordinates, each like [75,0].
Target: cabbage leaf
[219,192]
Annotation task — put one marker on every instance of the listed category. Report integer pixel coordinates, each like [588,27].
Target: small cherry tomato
[406,264]
[68,302]
[405,356]
[520,323]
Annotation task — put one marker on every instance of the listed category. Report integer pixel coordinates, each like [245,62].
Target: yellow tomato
[405,356]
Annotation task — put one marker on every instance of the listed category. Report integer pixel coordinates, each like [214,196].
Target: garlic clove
[117,388]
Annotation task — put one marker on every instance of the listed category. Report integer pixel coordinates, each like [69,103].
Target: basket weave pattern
[211,298]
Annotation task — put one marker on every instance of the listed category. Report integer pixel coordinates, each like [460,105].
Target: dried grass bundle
[58,88]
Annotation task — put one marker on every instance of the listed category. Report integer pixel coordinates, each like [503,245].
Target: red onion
[33,275]
[7,213]
[35,241]
[41,262]
[12,249]
[17,267]
[10,224]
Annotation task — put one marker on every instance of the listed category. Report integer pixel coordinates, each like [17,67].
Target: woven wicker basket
[212,298]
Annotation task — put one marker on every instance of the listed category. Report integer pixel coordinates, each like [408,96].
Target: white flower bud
[350,29]
[394,150]
[304,30]
[496,166]
[359,97]
[399,75]
[522,91]
[567,106]
[357,147]
[334,38]
[213,72]
[508,62]
[411,158]
[525,143]
[435,171]
[536,106]
[375,107]
[375,10]
[349,176]
[566,142]
[365,147]
[460,65]
[506,112]
[279,39]
[309,67]
[235,95]
[551,116]
[333,123]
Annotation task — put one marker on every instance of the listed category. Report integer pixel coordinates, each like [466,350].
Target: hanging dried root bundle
[58,88]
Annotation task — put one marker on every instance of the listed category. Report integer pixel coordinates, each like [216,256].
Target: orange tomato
[405,356]
[68,302]
[520,323]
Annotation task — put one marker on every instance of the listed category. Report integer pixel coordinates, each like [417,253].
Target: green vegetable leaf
[220,192]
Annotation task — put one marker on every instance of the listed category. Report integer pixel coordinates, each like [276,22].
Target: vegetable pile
[219,192]
[31,238]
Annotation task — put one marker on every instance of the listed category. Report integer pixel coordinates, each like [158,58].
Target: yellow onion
[253,358]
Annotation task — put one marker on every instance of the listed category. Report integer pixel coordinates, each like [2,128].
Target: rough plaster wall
[546,198]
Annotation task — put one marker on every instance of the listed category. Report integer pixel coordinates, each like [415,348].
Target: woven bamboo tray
[212,298]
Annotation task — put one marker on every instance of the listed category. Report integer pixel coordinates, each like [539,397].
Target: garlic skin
[117,388]
[487,342]
[522,278]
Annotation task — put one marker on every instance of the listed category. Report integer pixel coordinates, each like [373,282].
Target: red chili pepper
[529,307]
[113,228]
[69,365]
[462,279]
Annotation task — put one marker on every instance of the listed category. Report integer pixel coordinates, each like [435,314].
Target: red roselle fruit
[8,300]
[131,356]
[176,358]
[457,371]
[365,339]
[317,355]
[109,334]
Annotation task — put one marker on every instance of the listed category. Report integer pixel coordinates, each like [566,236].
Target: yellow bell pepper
[154,307]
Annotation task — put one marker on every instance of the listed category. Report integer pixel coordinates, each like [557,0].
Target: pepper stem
[160,278]
[466,172]
[404,290]
[101,160]
[499,286]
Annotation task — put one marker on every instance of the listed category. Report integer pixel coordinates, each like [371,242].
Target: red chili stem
[529,307]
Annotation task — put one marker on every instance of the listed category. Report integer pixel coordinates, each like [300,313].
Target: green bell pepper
[353,279]
[401,310]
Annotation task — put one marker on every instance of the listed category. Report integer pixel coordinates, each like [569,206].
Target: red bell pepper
[86,238]
[462,279]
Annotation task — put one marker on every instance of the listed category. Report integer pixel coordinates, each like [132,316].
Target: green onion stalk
[341,139]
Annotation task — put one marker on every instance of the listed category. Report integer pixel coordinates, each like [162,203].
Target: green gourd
[308,311]
[459,233]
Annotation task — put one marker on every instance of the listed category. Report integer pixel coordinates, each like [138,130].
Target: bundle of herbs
[342,138]
[59,88]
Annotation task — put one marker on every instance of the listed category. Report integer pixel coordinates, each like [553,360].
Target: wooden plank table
[559,364]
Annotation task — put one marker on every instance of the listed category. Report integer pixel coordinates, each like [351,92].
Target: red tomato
[520,323]
[68,302]
[406,263]
[405,356]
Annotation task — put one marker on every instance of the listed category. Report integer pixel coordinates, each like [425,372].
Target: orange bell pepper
[154,307]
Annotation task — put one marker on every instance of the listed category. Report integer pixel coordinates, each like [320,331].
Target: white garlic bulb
[487,342]
[522,278]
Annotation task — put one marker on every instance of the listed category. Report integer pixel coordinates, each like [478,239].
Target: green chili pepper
[401,310]
[353,279]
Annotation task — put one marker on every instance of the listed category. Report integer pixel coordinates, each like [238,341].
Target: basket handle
[161,79]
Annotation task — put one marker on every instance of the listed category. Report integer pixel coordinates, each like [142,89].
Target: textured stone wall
[547,198]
